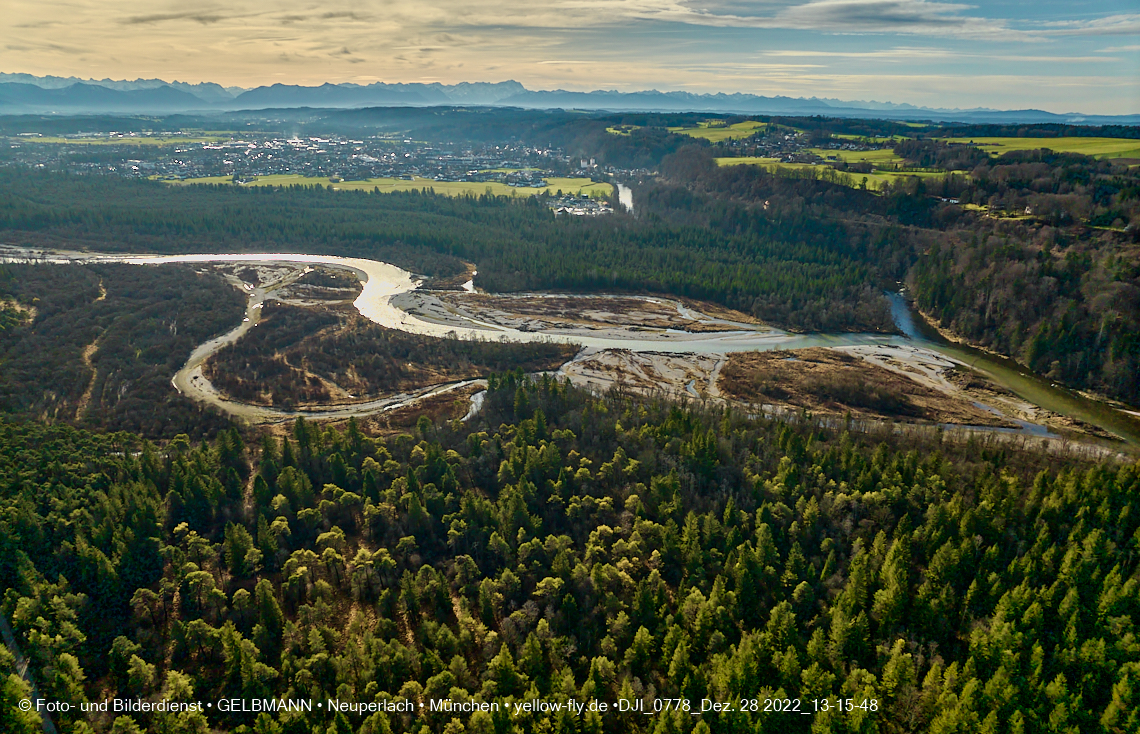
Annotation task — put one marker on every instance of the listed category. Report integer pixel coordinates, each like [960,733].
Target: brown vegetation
[102,342]
[595,311]
[445,406]
[319,285]
[13,314]
[299,356]
[718,311]
[830,381]
[453,282]
[329,278]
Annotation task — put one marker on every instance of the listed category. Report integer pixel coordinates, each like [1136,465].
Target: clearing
[875,180]
[1096,147]
[128,140]
[715,131]
[874,157]
[576,186]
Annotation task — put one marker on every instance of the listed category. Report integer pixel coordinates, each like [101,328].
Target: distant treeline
[801,272]
[1042,130]
[941,156]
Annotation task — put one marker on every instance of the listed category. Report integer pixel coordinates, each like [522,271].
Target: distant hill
[27,94]
[18,98]
[356,95]
[206,91]
[654,101]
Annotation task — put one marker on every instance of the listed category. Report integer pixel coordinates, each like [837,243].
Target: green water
[1018,379]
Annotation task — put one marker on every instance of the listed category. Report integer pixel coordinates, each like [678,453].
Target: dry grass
[13,314]
[579,186]
[828,381]
[570,311]
[453,282]
[446,406]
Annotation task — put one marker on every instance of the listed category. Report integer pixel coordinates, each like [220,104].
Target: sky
[1056,55]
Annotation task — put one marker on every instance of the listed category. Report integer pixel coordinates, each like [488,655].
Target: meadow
[1095,147]
[870,138]
[129,140]
[715,132]
[578,186]
[874,157]
[875,180]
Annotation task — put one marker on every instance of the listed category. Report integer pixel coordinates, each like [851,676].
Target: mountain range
[28,94]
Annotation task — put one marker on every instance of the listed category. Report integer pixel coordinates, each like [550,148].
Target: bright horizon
[1062,57]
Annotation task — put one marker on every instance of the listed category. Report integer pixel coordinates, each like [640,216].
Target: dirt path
[88,353]
[85,398]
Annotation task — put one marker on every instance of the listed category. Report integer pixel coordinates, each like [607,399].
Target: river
[381,282]
[625,197]
[1017,378]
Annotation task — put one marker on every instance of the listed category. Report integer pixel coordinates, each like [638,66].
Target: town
[247,157]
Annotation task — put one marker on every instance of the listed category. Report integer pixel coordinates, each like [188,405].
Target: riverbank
[391,297]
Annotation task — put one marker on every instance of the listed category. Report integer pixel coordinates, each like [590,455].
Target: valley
[407,412]
[648,344]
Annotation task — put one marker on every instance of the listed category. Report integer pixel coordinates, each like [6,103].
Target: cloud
[1113,25]
[892,16]
[347,15]
[918,17]
[203,18]
[882,53]
[914,55]
[39,24]
[921,17]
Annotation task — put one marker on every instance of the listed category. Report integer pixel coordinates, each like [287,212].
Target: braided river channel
[383,284]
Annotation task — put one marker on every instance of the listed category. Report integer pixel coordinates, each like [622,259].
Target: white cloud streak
[1113,25]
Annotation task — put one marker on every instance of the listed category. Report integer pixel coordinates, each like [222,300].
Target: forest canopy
[572,547]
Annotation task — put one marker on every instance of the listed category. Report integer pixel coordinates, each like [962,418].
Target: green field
[874,157]
[129,140]
[1096,147]
[870,138]
[746,161]
[854,180]
[715,132]
[580,186]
